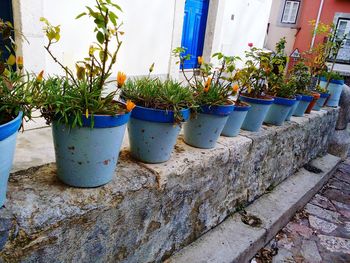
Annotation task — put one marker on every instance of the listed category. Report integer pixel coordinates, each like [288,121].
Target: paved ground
[321,231]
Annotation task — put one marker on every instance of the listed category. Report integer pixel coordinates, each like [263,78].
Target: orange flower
[39,78]
[235,88]
[121,78]
[207,85]
[130,105]
[20,62]
[200,60]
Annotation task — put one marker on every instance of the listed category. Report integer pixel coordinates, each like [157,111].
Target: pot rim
[158,115]
[9,128]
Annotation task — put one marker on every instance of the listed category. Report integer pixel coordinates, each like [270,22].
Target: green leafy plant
[279,86]
[317,57]
[300,76]
[253,77]
[81,93]
[15,95]
[211,86]
[154,93]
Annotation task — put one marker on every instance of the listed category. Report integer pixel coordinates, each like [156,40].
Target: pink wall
[309,12]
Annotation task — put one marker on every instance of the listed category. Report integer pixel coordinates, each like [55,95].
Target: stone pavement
[321,231]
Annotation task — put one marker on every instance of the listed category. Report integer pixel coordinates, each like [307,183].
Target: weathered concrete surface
[234,241]
[344,112]
[150,211]
[339,144]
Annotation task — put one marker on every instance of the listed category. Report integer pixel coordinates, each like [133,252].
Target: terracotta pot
[313,102]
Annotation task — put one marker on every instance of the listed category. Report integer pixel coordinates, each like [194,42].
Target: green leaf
[100,37]
[80,15]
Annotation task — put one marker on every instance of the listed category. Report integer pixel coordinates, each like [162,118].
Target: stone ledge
[150,211]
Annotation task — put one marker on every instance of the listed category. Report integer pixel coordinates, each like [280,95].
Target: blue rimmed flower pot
[279,110]
[153,133]
[292,110]
[235,120]
[302,106]
[321,101]
[204,130]
[8,135]
[335,89]
[257,113]
[87,156]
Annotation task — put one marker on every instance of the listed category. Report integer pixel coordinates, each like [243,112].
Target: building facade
[152,29]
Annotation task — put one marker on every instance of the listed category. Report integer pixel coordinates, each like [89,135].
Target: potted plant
[318,57]
[156,120]
[14,106]
[211,90]
[253,82]
[301,77]
[282,90]
[88,124]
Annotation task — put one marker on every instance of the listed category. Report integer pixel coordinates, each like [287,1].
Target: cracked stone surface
[147,212]
[321,231]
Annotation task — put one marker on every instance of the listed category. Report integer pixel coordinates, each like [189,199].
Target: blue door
[5,15]
[195,21]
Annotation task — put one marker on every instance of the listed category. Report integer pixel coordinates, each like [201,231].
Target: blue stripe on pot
[321,101]
[302,106]
[106,121]
[257,113]
[335,89]
[8,133]
[292,110]
[87,157]
[235,121]
[333,81]
[153,134]
[11,127]
[217,110]
[279,111]
[157,115]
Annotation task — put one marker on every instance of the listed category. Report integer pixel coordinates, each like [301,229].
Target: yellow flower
[200,60]
[235,88]
[130,105]
[87,113]
[121,78]
[11,60]
[40,76]
[207,85]
[20,62]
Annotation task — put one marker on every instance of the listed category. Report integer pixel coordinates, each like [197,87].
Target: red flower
[250,44]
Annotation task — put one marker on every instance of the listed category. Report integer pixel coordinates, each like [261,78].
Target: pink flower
[250,44]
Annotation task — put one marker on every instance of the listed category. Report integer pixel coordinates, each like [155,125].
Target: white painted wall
[249,24]
[148,27]
[152,29]
[277,31]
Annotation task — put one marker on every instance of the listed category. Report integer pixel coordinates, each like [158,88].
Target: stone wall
[149,211]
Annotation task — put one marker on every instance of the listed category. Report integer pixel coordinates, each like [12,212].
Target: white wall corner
[179,10]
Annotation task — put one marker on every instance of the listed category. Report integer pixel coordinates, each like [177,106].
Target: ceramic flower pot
[335,89]
[8,135]
[315,98]
[85,156]
[204,130]
[257,113]
[235,120]
[293,108]
[321,101]
[279,110]
[153,133]
[302,106]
